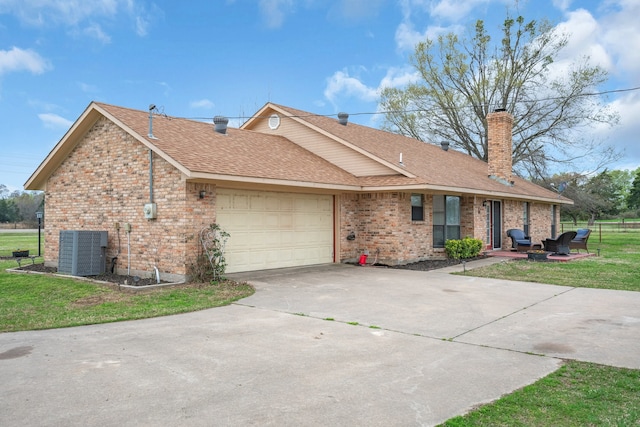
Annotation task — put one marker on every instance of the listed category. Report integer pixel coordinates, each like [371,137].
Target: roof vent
[445,145]
[152,108]
[343,118]
[220,123]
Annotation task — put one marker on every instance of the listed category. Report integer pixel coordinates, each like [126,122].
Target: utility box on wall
[150,211]
[82,252]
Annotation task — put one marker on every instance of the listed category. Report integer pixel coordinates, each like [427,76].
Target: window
[417,208]
[446,219]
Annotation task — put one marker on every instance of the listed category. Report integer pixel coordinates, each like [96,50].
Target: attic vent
[274,121]
[343,118]
[220,123]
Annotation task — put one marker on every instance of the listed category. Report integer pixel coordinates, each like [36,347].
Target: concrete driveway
[328,345]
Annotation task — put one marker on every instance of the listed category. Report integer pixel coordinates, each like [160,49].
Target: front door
[494,224]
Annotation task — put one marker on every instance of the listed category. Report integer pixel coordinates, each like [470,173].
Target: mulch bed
[119,279]
[432,264]
[139,281]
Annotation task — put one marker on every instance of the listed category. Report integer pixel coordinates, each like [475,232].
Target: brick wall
[539,220]
[382,221]
[104,181]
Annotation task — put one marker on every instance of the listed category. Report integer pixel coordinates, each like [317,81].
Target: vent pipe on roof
[445,145]
[343,118]
[220,123]
[152,107]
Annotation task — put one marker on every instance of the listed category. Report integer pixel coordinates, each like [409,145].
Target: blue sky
[198,59]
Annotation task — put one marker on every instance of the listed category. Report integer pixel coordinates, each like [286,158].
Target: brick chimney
[500,125]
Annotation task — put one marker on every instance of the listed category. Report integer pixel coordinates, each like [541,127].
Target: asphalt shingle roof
[242,153]
[428,162]
[247,155]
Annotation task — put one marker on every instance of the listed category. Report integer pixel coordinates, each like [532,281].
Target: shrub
[463,249]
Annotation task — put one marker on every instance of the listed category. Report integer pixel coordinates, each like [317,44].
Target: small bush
[463,249]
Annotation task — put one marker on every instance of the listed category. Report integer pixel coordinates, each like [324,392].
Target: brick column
[499,153]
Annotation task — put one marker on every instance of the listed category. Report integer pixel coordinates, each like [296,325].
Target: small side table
[531,247]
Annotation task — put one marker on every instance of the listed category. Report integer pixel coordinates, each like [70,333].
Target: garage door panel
[275,230]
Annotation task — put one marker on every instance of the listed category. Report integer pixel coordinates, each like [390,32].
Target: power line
[415,110]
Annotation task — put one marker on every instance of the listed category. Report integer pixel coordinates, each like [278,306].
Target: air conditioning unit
[82,252]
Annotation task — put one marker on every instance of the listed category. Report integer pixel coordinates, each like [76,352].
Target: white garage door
[275,230]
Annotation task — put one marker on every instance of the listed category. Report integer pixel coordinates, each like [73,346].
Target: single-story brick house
[291,188]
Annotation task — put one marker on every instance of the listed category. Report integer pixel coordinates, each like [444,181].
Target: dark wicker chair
[560,245]
[580,241]
[518,238]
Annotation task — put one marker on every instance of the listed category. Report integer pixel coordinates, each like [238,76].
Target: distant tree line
[607,195]
[20,206]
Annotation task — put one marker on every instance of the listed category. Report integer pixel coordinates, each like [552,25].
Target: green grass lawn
[578,394]
[34,301]
[615,268]
[11,241]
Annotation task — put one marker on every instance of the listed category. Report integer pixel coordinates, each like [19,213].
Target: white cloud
[624,136]
[407,37]
[353,11]
[583,31]
[562,4]
[273,11]
[341,84]
[95,31]
[17,59]
[87,88]
[399,77]
[611,39]
[142,26]
[621,37]
[202,103]
[69,12]
[54,121]
[75,13]
[455,10]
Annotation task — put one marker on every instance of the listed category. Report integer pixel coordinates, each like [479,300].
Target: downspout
[150,175]
[152,107]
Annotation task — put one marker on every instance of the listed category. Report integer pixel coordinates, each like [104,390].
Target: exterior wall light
[202,194]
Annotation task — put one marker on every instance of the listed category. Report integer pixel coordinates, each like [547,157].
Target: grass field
[11,241]
[615,268]
[33,301]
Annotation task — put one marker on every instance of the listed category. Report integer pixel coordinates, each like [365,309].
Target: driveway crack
[512,313]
